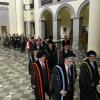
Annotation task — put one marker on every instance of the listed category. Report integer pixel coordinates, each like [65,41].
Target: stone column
[75,44]
[12,17]
[43,28]
[54,29]
[28,1]
[37,20]
[20,16]
[28,20]
[94,26]
[28,28]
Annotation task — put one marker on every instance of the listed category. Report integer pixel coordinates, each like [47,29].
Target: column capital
[27,7]
[54,19]
[42,20]
[74,18]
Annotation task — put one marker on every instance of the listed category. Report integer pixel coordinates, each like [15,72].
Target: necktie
[68,75]
[93,66]
[43,67]
[68,72]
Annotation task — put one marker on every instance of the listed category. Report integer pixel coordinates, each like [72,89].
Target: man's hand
[63,93]
[98,88]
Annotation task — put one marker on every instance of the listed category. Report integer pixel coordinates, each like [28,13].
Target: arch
[46,9]
[68,6]
[46,17]
[81,6]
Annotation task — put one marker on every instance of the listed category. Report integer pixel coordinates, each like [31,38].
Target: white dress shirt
[66,67]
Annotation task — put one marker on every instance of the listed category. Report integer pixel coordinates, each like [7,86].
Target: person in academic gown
[42,77]
[62,81]
[89,78]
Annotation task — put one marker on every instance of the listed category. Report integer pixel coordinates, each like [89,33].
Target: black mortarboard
[34,48]
[41,54]
[50,42]
[32,37]
[66,43]
[91,53]
[69,55]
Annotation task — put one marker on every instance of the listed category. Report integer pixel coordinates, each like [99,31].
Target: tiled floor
[14,78]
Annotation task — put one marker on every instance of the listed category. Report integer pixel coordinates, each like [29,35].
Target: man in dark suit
[89,78]
[62,81]
[65,41]
[32,58]
[51,55]
[66,49]
[42,77]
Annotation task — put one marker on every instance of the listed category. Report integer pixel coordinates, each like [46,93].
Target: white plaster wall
[4,15]
[4,0]
[4,18]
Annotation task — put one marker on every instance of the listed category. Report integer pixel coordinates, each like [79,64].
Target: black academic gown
[57,84]
[42,80]
[88,80]
[52,57]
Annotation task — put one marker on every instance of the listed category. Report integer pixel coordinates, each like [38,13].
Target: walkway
[14,78]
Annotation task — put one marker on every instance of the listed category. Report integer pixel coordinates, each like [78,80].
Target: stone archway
[46,23]
[64,24]
[83,14]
